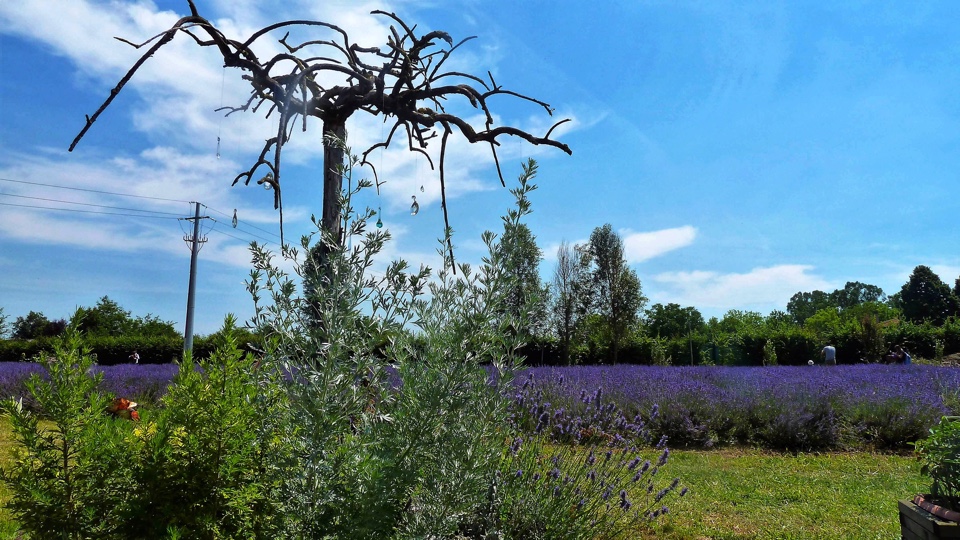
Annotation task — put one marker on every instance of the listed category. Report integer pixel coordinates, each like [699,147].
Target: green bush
[320,437]
[939,456]
[63,479]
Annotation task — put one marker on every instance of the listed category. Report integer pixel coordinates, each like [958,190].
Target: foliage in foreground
[939,456]
[200,466]
[340,447]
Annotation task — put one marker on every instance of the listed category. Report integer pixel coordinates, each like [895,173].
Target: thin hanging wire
[223,77]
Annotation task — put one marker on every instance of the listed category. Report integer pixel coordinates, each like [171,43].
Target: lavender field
[143,383]
[784,408]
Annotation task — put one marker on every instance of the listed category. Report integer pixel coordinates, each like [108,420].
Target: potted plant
[936,514]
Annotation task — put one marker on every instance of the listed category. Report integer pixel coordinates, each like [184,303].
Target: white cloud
[161,181]
[177,91]
[947,273]
[762,289]
[639,247]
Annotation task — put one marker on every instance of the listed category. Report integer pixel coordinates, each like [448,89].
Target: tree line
[110,332]
[593,311]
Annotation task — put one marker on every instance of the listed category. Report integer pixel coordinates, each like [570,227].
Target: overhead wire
[243,222]
[153,214]
[94,191]
[218,231]
[87,204]
[85,211]
[215,220]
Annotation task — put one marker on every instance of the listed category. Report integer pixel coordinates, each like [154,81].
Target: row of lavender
[792,408]
[796,408]
[144,383]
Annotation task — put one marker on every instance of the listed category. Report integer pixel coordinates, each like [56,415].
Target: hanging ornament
[218,147]
[379,221]
[415,207]
[421,188]
[234,218]
[266,181]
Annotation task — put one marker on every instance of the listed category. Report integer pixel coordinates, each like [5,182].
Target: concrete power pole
[194,242]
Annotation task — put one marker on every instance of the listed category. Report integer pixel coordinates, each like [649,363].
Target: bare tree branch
[402,80]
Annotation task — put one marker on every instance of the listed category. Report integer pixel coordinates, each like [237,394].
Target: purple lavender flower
[515,447]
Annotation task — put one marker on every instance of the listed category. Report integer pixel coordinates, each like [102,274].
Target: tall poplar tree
[572,294]
[617,288]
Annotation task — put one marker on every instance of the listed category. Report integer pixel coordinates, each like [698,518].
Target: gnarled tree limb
[402,81]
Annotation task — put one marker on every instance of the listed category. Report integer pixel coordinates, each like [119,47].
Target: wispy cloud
[642,246]
[173,97]
[759,289]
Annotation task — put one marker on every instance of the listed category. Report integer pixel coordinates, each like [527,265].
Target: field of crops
[784,408]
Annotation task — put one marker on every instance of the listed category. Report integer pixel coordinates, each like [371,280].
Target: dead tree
[404,81]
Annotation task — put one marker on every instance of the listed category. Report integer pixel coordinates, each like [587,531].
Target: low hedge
[111,350]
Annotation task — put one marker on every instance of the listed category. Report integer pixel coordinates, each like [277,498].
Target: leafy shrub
[200,467]
[320,437]
[940,459]
[208,461]
[61,476]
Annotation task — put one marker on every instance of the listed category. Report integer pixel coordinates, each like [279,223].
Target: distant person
[135,357]
[829,355]
[903,357]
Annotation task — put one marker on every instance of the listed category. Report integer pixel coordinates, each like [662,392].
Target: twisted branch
[395,81]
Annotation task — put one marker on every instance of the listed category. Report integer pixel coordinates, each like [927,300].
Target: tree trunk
[317,272]
[334,136]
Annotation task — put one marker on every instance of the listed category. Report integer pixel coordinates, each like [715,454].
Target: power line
[215,220]
[218,231]
[246,224]
[84,211]
[94,191]
[89,204]
[143,214]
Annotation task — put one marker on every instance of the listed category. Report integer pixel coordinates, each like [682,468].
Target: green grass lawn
[757,494]
[750,494]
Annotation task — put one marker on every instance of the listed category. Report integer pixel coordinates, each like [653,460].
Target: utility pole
[194,242]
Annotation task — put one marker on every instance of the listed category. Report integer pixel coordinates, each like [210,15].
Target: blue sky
[745,151]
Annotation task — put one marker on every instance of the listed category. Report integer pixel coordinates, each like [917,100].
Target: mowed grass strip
[747,494]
